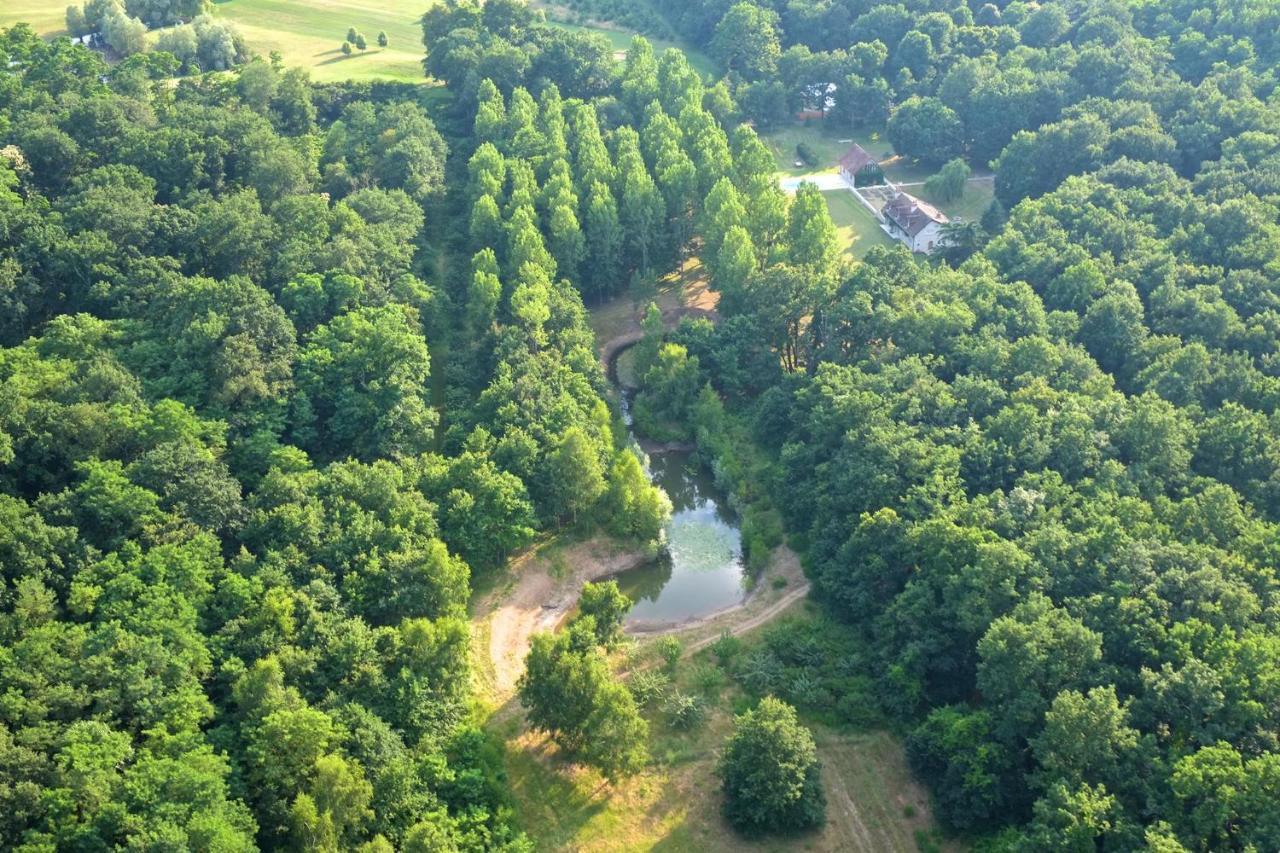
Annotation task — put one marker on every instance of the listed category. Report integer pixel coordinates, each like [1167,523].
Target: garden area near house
[857,228]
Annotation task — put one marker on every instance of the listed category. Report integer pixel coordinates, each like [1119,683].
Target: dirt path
[545,585]
[632,333]
[765,603]
[845,812]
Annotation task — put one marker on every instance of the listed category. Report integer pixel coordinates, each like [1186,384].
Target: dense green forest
[1041,487]
[259,429]
[285,370]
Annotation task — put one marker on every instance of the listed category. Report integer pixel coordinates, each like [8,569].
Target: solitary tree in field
[352,32]
[770,772]
[948,184]
[360,41]
[346,48]
[382,38]
[569,693]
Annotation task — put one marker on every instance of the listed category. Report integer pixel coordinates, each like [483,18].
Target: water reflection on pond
[702,571]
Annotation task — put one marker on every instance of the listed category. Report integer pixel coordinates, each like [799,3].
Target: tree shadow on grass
[341,57]
[555,801]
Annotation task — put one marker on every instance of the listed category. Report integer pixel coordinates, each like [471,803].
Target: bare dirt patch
[547,581]
[545,585]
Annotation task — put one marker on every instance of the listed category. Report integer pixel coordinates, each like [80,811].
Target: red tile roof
[911,214]
[855,160]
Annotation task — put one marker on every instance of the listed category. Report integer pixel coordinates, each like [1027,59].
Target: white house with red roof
[915,223]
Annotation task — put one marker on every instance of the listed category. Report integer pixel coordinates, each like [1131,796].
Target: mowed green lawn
[970,206]
[45,17]
[309,33]
[828,146]
[857,228]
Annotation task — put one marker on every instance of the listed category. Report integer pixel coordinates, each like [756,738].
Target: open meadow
[309,33]
[45,17]
[828,144]
[873,805]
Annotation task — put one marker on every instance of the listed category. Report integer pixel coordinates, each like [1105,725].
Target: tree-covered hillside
[252,452]
[285,369]
[1040,487]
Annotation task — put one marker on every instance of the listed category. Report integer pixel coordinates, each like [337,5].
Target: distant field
[310,33]
[46,17]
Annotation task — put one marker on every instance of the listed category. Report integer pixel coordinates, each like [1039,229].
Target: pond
[701,571]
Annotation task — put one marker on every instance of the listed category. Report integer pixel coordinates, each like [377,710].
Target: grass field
[970,206]
[674,805]
[310,34]
[857,228]
[46,17]
[828,145]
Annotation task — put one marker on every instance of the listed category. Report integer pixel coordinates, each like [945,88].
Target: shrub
[870,175]
[761,672]
[684,712]
[648,686]
[770,772]
[726,648]
[609,606]
[806,154]
[708,679]
[670,649]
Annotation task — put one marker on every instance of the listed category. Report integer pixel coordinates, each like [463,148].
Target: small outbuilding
[917,224]
[854,161]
